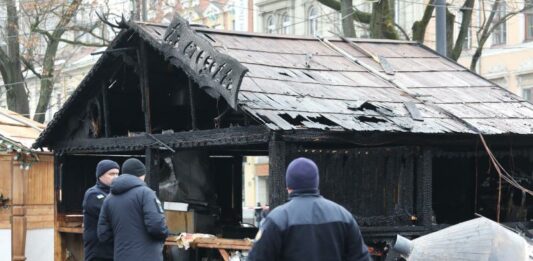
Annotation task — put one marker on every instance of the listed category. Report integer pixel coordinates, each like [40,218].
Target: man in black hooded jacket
[132,217]
[106,171]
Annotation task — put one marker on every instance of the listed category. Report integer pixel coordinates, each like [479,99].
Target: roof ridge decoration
[183,47]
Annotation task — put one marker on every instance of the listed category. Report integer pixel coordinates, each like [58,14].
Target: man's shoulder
[279,214]
[92,191]
[335,208]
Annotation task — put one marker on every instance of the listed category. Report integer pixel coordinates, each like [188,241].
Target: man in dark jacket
[106,171]
[132,216]
[308,227]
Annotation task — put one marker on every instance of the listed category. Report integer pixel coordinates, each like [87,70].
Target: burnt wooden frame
[235,136]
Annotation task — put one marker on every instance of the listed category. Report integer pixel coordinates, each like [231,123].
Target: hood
[124,183]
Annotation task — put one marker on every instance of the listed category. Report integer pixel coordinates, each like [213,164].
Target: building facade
[507,57]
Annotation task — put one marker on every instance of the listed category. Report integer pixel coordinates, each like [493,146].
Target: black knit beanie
[104,166]
[133,167]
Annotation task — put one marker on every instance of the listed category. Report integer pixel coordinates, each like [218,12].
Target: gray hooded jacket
[133,218]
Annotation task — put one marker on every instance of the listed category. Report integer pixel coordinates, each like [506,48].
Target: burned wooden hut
[395,128]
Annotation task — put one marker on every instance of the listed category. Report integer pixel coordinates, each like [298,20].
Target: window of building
[312,20]
[525,81]
[499,35]
[529,20]
[286,26]
[270,24]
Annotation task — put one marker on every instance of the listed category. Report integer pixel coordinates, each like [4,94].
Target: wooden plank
[18,212]
[224,254]
[387,50]
[260,44]
[72,230]
[297,61]
[234,136]
[40,216]
[40,181]
[439,79]
[312,76]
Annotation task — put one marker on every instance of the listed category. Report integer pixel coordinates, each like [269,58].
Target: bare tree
[488,25]
[47,26]
[10,66]
[381,24]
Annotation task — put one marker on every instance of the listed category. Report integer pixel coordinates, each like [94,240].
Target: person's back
[132,217]
[309,227]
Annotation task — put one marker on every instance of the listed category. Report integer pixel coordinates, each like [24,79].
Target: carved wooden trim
[209,68]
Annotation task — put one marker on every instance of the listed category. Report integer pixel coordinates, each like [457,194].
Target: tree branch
[30,67]
[82,43]
[403,31]
[4,59]
[359,16]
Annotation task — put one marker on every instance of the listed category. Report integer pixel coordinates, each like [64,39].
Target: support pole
[441,26]
[150,161]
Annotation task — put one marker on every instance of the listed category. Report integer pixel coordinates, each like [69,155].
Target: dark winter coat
[92,203]
[309,227]
[132,216]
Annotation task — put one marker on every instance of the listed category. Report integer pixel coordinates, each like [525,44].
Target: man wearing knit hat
[106,171]
[308,227]
[132,217]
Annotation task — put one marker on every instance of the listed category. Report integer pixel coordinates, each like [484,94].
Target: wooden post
[144,84]
[106,109]
[153,176]
[236,190]
[18,213]
[277,157]
[59,246]
[424,190]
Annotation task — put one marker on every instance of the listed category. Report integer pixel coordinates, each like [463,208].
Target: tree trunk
[137,10]
[450,21]
[419,27]
[47,80]
[17,97]
[348,28]
[466,21]
[382,21]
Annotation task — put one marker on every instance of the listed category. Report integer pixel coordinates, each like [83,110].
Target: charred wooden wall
[378,185]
